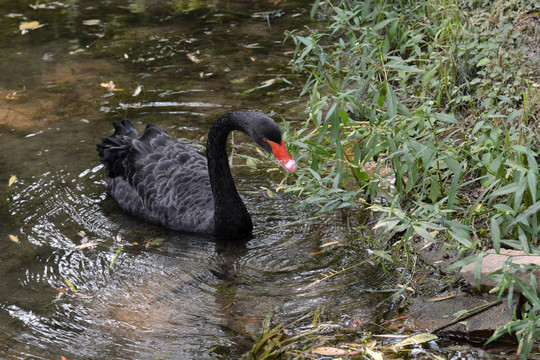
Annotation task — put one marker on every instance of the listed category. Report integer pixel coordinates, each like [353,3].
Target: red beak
[280,152]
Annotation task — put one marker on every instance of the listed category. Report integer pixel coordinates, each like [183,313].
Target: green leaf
[314,8]
[478,269]
[523,240]
[461,236]
[383,24]
[495,234]
[447,118]
[428,76]
[405,68]
[461,263]
[532,180]
[434,191]
[250,162]
[452,192]
[391,101]
[483,62]
[452,164]
[383,254]
[120,248]
[423,233]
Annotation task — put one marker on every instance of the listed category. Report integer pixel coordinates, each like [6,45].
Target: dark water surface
[173,295]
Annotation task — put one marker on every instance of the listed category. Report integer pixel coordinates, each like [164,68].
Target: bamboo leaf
[452,192]
[495,234]
[405,68]
[445,118]
[391,101]
[478,269]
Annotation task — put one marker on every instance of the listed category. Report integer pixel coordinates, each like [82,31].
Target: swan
[160,179]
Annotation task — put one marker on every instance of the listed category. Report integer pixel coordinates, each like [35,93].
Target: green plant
[424,111]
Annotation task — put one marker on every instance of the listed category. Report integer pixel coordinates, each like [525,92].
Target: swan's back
[158,178]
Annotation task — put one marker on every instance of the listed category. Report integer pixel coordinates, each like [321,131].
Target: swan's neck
[230,213]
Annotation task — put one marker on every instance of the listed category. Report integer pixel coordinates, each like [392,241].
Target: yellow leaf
[329,351]
[375,355]
[92,22]
[110,85]
[193,58]
[14,238]
[415,340]
[12,180]
[29,25]
[70,285]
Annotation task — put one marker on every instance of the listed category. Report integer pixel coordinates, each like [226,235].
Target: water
[144,291]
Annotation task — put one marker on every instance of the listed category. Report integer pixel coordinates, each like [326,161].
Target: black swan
[157,178]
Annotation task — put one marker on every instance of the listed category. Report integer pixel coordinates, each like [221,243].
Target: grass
[427,113]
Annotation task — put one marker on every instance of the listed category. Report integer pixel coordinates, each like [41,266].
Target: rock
[493,262]
[463,316]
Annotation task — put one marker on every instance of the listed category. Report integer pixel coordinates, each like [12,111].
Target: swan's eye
[265,139]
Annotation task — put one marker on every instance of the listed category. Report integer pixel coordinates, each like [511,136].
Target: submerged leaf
[12,179]
[14,238]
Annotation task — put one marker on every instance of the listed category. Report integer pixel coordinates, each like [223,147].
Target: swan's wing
[164,181]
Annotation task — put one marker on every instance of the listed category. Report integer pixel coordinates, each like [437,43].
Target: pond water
[143,291]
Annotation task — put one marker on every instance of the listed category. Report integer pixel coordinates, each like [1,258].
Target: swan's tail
[115,148]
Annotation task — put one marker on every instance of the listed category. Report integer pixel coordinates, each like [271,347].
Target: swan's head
[265,132]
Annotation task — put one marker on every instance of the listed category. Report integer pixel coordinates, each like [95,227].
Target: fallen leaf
[329,351]
[442,298]
[70,285]
[252,59]
[268,82]
[137,91]
[110,85]
[375,355]
[14,15]
[193,58]
[14,238]
[75,52]
[330,243]
[415,340]
[89,244]
[29,25]
[84,296]
[290,268]
[92,22]
[12,179]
